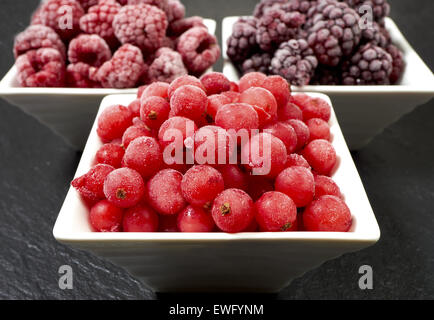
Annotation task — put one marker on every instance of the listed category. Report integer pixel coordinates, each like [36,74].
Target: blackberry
[370,65]
[325,76]
[259,62]
[376,34]
[333,31]
[264,5]
[277,26]
[380,8]
[398,63]
[242,42]
[295,61]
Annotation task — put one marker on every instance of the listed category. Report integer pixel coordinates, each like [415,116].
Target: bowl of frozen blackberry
[348,49]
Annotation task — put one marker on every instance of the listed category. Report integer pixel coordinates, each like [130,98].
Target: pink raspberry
[161,4]
[175,10]
[99,20]
[89,49]
[44,67]
[36,37]
[55,14]
[79,75]
[123,70]
[142,25]
[199,49]
[86,4]
[178,27]
[167,66]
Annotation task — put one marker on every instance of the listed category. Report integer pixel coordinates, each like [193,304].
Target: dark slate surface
[397,168]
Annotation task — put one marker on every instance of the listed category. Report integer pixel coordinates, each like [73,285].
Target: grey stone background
[397,169]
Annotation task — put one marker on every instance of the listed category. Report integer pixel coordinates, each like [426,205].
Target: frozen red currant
[251,79]
[326,186]
[298,160]
[284,132]
[133,133]
[168,223]
[262,99]
[201,184]
[234,177]
[135,108]
[280,89]
[302,132]
[113,122]
[234,96]
[144,155]
[258,185]
[174,129]
[252,227]
[106,217]
[214,103]
[190,102]
[321,156]
[213,145]
[195,219]
[233,210]
[182,81]
[154,111]
[124,187]
[327,213]
[140,218]
[111,154]
[312,107]
[215,83]
[156,89]
[289,111]
[237,116]
[164,192]
[275,211]
[297,183]
[318,129]
[90,185]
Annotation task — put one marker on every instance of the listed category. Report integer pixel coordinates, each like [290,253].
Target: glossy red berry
[275,211]
[106,217]
[140,218]
[124,187]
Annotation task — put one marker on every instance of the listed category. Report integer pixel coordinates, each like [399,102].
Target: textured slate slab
[397,169]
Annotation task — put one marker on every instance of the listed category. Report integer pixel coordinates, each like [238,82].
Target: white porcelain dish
[69,112]
[364,111]
[261,262]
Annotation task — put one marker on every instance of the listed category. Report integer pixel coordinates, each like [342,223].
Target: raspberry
[318,129]
[252,79]
[214,103]
[111,154]
[295,61]
[333,31]
[258,185]
[123,70]
[328,213]
[298,184]
[276,26]
[233,210]
[164,192]
[263,5]
[213,145]
[275,211]
[141,25]
[321,156]
[237,116]
[302,132]
[143,155]
[134,108]
[99,20]
[106,217]
[79,75]
[90,185]
[52,13]
[380,8]
[161,4]
[177,28]
[175,10]
[242,42]
[158,89]
[43,67]
[312,107]
[296,160]
[175,125]
[86,4]
[280,89]
[167,66]
[199,49]
[140,218]
[36,37]
[326,186]
[264,154]
[194,219]
[184,80]
[124,187]
[289,111]
[133,133]
[36,16]
[168,223]
[284,132]
[215,83]
[370,65]
[89,49]
[262,99]
[154,111]
[325,76]
[398,63]
[201,184]
[259,62]
[234,177]
[190,102]
[113,122]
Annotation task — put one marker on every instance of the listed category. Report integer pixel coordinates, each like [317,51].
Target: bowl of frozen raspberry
[205,184]
[350,50]
[62,72]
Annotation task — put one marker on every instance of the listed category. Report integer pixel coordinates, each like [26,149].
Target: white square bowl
[364,111]
[261,262]
[69,112]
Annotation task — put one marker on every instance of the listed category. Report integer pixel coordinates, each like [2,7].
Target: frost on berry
[106,217]
[178,27]
[124,187]
[144,156]
[90,185]
[140,218]
[89,49]
[113,122]
[167,66]
[259,62]
[242,42]
[80,75]
[195,219]
[297,183]
[275,212]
